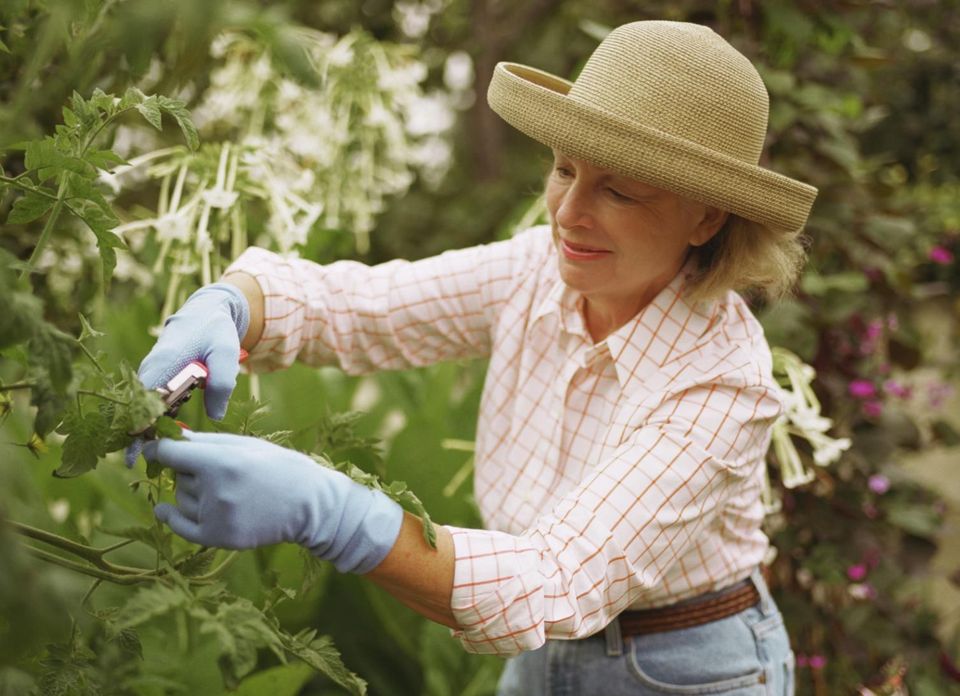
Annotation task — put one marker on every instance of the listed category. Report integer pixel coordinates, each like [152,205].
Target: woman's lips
[580,252]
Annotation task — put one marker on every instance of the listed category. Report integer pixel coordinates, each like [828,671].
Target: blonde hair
[748,257]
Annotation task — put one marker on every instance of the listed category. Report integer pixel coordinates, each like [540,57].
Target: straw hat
[671,104]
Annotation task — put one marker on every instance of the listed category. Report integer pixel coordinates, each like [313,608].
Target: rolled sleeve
[393,315]
[616,535]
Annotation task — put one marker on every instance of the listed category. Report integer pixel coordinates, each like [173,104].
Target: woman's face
[620,241]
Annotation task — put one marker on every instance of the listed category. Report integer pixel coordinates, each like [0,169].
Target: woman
[628,403]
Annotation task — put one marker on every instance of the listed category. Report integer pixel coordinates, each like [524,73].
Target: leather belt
[692,612]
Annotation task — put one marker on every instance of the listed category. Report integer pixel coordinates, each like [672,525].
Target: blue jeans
[747,654]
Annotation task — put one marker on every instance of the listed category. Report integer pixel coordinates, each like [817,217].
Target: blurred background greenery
[863,98]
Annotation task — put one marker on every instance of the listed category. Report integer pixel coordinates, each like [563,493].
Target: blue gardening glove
[207,328]
[240,492]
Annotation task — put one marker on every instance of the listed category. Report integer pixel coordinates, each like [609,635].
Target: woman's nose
[575,209]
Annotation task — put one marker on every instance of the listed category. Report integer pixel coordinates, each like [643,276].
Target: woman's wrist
[249,286]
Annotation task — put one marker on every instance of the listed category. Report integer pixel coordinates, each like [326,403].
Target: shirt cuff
[498,591]
[284,308]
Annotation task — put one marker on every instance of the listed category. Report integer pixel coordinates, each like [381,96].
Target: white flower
[458,71]
[219,198]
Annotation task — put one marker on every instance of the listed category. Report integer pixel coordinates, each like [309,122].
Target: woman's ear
[710,223]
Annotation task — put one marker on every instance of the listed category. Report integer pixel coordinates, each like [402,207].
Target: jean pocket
[716,658]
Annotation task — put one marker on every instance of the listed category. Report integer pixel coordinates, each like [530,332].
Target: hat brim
[537,104]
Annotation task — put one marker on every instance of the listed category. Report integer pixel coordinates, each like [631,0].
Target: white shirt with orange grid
[623,474]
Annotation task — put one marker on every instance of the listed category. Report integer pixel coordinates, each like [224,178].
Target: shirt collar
[667,328]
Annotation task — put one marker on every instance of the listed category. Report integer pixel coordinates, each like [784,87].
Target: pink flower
[857,572]
[874,330]
[892,386]
[862,389]
[870,510]
[879,484]
[873,408]
[817,662]
[802,660]
[941,255]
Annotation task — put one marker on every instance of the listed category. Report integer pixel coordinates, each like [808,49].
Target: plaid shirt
[623,474]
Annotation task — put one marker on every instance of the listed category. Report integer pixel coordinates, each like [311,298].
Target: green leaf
[69,117]
[50,404]
[167,427]
[84,444]
[919,520]
[47,160]
[52,350]
[239,629]
[29,207]
[285,680]
[149,603]
[320,654]
[144,406]
[179,111]
[197,563]
[104,159]
[150,110]
[813,283]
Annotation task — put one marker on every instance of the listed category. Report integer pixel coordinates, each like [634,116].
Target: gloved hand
[207,328]
[240,492]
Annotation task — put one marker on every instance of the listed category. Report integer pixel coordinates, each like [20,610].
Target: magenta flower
[873,408]
[874,330]
[879,484]
[857,572]
[941,255]
[862,389]
[802,660]
[817,661]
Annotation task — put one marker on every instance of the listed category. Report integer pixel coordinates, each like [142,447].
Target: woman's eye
[562,172]
[619,196]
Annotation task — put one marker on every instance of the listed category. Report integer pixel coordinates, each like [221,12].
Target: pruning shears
[180,387]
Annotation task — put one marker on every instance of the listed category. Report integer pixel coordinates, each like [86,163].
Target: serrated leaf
[285,680]
[69,117]
[197,563]
[167,427]
[104,159]
[52,350]
[131,96]
[143,406]
[239,629]
[149,603]
[150,110]
[83,447]
[178,110]
[29,207]
[129,642]
[320,654]
[50,403]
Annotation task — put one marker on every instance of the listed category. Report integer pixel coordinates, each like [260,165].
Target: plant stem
[87,553]
[17,385]
[91,571]
[16,183]
[96,363]
[88,392]
[47,228]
